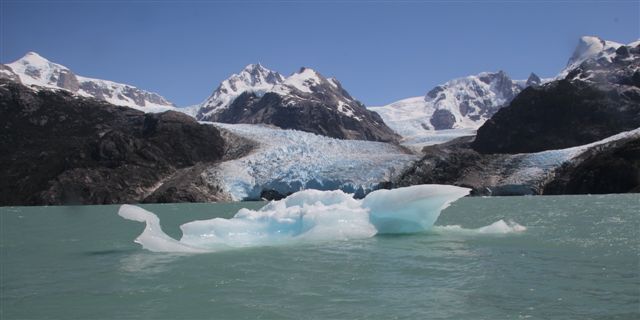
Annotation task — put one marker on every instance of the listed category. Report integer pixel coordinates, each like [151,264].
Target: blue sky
[381,51]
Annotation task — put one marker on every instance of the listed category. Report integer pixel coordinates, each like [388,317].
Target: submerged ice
[305,216]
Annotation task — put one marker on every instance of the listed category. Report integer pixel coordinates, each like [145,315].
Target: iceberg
[305,216]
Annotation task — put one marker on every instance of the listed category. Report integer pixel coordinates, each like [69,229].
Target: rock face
[533,80]
[304,101]
[603,167]
[598,98]
[613,171]
[62,149]
[34,70]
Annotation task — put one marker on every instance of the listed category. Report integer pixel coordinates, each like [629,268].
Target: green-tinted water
[578,259]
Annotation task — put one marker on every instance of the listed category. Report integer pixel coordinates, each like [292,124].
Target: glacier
[530,168]
[313,216]
[287,161]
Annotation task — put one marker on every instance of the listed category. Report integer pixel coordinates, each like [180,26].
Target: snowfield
[287,161]
[38,72]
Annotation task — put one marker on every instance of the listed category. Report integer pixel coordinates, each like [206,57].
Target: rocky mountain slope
[462,105]
[305,101]
[606,166]
[613,170]
[577,134]
[35,71]
[58,148]
[598,98]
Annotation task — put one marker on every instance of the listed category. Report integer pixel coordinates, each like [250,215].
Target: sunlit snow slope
[36,71]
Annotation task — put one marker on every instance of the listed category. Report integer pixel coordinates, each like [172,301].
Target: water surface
[578,259]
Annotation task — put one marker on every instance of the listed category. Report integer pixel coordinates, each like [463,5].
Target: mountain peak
[303,80]
[533,79]
[253,78]
[307,72]
[35,59]
[255,67]
[589,47]
[34,54]
[33,69]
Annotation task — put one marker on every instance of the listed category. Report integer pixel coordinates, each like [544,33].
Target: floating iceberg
[305,216]
[312,216]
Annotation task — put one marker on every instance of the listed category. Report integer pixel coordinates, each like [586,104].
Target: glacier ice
[287,161]
[305,216]
[407,210]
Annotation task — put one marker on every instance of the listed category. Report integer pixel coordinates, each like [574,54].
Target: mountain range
[308,101]
[37,72]
[74,139]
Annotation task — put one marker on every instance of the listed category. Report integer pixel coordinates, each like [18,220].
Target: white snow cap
[589,47]
[303,80]
[259,80]
[35,70]
[253,78]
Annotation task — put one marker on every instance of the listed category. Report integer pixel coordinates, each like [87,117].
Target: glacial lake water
[578,259]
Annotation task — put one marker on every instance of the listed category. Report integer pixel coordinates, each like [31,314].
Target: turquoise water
[578,259]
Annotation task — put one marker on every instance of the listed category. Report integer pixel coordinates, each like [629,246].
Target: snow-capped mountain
[37,72]
[599,97]
[305,101]
[253,78]
[458,107]
[462,105]
[608,66]
[589,47]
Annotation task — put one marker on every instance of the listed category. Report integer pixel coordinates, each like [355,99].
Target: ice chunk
[309,215]
[153,238]
[498,227]
[410,209]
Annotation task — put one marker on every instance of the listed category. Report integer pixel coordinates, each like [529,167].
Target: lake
[579,258]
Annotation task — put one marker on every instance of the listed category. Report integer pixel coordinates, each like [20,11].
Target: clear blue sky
[381,51]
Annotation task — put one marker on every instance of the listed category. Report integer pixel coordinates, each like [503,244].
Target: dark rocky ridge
[597,99]
[613,167]
[616,170]
[306,115]
[62,149]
